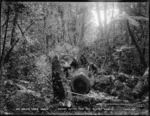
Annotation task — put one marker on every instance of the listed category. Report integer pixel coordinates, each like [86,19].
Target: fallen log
[81,81]
[142,86]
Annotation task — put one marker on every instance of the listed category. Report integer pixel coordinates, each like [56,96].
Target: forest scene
[87,58]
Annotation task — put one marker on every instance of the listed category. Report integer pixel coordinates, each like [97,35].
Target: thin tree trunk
[70,15]
[82,27]
[62,24]
[13,29]
[105,20]
[146,44]
[6,59]
[44,9]
[66,23]
[112,24]
[1,80]
[44,19]
[3,25]
[99,19]
[4,42]
[2,53]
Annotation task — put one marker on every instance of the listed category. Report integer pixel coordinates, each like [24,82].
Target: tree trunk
[6,58]
[99,19]
[142,58]
[13,29]
[81,33]
[4,42]
[105,20]
[1,78]
[62,24]
[112,24]
[146,45]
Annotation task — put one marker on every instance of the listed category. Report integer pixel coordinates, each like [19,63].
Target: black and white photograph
[74,58]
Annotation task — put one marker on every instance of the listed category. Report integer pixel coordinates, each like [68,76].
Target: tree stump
[58,89]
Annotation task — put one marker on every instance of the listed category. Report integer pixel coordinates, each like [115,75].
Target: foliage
[32,33]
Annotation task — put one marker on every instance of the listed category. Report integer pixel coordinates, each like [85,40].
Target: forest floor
[94,103]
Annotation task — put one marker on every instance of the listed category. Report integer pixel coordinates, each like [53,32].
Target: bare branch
[23,32]
[10,50]
[20,30]
[28,27]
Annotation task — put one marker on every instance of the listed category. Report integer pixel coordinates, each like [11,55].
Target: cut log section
[80,82]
